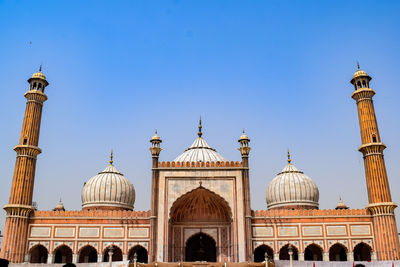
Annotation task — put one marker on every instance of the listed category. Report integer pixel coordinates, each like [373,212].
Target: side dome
[291,188]
[109,189]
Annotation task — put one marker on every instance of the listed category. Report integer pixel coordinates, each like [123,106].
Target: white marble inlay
[40,231]
[89,232]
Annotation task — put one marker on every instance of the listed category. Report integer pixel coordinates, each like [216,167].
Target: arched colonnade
[64,254]
[314,252]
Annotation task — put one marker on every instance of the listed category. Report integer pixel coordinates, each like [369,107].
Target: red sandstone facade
[200,210]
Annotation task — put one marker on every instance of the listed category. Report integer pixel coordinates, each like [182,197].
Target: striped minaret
[19,205]
[380,200]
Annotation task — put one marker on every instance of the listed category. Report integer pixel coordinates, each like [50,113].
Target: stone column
[99,257]
[74,258]
[50,258]
[326,256]
[350,256]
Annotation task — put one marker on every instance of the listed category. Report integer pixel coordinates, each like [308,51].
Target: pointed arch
[87,254]
[261,251]
[201,247]
[200,205]
[38,254]
[141,254]
[338,252]
[313,252]
[284,252]
[62,254]
[362,252]
[117,253]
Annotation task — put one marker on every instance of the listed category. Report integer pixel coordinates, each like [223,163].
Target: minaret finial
[40,68]
[288,157]
[200,133]
[156,132]
[111,158]
[358,65]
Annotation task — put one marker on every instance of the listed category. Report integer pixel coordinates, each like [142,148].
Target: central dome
[200,151]
[291,188]
[109,189]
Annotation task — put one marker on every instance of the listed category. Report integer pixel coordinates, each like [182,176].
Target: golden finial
[40,68]
[156,132]
[358,65]
[200,133]
[111,158]
[288,157]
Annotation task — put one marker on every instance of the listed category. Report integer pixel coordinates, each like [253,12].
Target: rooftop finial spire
[358,65]
[111,157]
[288,157]
[40,68]
[200,133]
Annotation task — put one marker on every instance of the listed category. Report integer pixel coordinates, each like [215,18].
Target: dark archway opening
[259,253]
[117,254]
[38,254]
[362,252]
[201,247]
[337,253]
[313,253]
[63,254]
[88,254]
[284,253]
[141,254]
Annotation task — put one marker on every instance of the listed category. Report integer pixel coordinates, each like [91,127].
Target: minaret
[244,151]
[380,200]
[155,150]
[19,205]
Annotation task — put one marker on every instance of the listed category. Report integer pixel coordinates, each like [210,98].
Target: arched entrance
[141,254]
[338,253]
[284,253]
[63,254]
[313,252]
[259,253]
[362,252]
[207,213]
[38,254]
[87,254]
[201,247]
[117,254]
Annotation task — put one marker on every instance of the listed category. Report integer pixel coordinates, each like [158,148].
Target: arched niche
[200,205]
[201,247]
[63,254]
[337,252]
[261,251]
[284,253]
[141,254]
[362,252]
[117,254]
[38,254]
[313,252]
[87,254]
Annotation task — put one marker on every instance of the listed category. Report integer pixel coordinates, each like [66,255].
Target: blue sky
[120,69]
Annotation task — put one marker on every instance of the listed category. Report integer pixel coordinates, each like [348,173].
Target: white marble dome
[292,188]
[109,189]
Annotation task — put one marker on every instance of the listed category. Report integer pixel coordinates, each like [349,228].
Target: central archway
[207,213]
[201,247]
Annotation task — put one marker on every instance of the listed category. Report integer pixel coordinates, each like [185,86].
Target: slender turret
[155,150]
[245,151]
[19,205]
[380,200]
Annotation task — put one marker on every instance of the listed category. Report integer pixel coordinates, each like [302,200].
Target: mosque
[200,206]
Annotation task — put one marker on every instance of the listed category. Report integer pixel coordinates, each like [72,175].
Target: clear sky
[119,69]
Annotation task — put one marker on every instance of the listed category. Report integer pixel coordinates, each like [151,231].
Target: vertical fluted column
[155,150]
[244,151]
[379,197]
[19,206]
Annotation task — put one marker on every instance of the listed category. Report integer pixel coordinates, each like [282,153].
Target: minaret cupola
[360,79]
[38,81]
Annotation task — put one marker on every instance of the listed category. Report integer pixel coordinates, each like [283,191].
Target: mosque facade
[200,206]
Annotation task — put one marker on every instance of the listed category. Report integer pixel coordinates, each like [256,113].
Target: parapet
[117,214]
[218,164]
[310,212]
